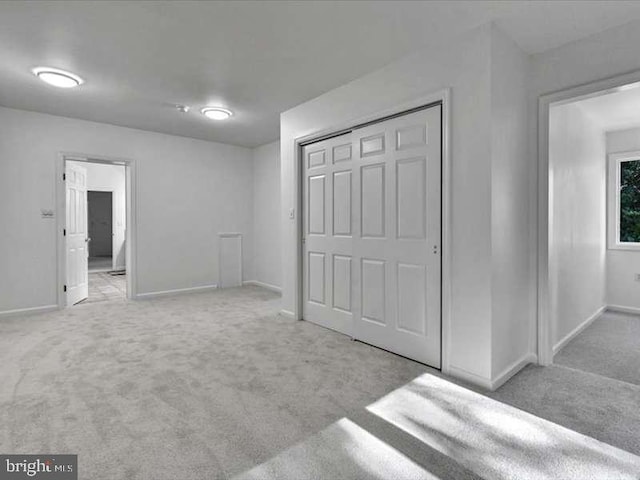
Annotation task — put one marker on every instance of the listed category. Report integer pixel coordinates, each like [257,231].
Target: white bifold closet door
[372,234]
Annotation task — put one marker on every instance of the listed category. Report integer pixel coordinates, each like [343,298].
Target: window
[624,201]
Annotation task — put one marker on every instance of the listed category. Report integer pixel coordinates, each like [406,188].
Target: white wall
[266,215]
[466,67]
[623,289]
[610,53]
[577,224]
[111,178]
[188,191]
[513,294]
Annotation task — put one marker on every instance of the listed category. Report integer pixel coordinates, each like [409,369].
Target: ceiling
[256,58]
[614,111]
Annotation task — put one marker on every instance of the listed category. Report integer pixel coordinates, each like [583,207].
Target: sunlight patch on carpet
[345,451]
[497,441]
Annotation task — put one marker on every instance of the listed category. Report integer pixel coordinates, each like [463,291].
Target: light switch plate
[292,213]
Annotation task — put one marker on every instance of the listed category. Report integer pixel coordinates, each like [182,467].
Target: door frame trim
[568,95]
[131,224]
[442,97]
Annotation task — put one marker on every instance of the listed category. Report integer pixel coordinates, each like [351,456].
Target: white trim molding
[288,314]
[268,286]
[177,291]
[496,382]
[594,89]
[28,311]
[623,309]
[512,370]
[472,378]
[131,208]
[576,331]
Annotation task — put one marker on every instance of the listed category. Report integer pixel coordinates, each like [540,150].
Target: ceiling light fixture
[216,113]
[57,78]
[628,86]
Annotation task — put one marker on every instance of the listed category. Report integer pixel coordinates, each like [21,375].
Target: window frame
[613,200]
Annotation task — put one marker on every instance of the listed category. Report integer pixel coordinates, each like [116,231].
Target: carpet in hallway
[610,347]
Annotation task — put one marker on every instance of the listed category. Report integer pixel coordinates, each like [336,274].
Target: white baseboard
[512,369]
[288,314]
[176,291]
[268,286]
[622,309]
[470,377]
[576,331]
[28,311]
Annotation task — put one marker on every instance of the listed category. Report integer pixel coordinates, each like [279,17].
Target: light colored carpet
[593,405]
[489,438]
[347,451]
[198,386]
[610,346]
[210,385]
[498,441]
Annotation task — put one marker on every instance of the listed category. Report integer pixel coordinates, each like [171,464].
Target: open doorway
[100,213]
[590,282]
[95,255]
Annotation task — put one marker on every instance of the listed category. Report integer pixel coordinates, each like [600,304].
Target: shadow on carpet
[433,429]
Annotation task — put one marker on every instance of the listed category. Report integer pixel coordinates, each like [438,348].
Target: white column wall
[577,223]
[513,278]
[266,216]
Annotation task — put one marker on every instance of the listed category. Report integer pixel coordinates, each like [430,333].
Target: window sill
[627,247]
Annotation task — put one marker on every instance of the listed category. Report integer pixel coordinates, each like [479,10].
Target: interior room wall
[623,290]
[577,226]
[597,57]
[111,178]
[267,262]
[513,295]
[466,67]
[609,53]
[187,192]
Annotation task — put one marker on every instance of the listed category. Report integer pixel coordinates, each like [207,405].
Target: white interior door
[372,252]
[329,231]
[76,234]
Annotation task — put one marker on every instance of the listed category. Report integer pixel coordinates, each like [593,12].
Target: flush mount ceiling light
[629,86]
[57,78]
[216,113]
